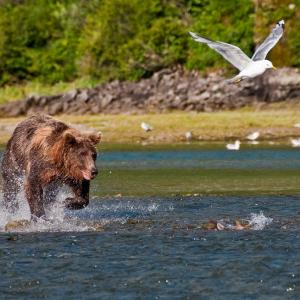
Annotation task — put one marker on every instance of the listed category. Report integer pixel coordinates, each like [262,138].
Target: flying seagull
[248,67]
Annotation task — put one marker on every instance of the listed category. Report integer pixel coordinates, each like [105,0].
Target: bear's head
[80,154]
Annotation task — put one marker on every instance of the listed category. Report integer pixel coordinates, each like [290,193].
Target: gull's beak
[274,68]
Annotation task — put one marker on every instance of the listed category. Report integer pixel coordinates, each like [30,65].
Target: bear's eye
[94,156]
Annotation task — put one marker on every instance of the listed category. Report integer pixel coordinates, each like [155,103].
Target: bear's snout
[90,174]
[94,173]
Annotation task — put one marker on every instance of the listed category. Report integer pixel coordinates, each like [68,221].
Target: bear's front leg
[34,195]
[81,189]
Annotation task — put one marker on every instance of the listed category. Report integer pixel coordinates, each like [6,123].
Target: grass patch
[18,92]
[169,128]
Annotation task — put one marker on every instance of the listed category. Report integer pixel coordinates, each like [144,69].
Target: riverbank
[275,122]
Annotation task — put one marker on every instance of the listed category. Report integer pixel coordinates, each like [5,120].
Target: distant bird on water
[295,142]
[235,146]
[248,67]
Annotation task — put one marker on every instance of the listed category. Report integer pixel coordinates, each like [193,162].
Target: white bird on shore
[248,67]
[235,146]
[189,135]
[146,126]
[295,142]
[297,125]
[253,136]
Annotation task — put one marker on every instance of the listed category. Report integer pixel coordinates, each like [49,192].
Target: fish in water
[218,226]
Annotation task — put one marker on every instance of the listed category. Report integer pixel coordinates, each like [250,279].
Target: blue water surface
[155,247]
[163,254]
[210,159]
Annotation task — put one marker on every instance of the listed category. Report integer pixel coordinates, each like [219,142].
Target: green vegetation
[266,13]
[220,20]
[54,41]
[20,91]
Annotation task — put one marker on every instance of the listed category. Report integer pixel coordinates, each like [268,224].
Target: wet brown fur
[48,151]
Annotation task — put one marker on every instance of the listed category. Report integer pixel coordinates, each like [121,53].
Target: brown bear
[47,153]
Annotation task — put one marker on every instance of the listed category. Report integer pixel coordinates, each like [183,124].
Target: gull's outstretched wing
[262,51]
[230,52]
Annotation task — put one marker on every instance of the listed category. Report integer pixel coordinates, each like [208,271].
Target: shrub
[132,40]
[52,41]
[38,40]
[227,21]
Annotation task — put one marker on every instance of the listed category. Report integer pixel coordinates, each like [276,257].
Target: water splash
[101,213]
[22,212]
[113,211]
[58,219]
[256,221]
[259,221]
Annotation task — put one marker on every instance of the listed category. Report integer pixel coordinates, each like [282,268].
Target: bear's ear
[69,138]
[95,138]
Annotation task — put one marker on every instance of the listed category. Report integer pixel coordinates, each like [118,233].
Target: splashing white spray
[56,219]
[259,221]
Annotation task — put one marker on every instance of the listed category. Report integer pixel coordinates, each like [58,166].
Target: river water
[153,246]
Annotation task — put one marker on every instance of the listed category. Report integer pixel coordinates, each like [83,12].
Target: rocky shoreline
[166,90]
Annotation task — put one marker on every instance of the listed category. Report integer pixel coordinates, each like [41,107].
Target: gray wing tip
[193,35]
[199,38]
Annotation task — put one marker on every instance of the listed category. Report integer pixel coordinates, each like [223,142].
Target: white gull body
[254,69]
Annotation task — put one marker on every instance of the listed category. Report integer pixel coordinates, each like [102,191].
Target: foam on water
[115,211]
[98,214]
[22,212]
[58,219]
[156,248]
[259,221]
